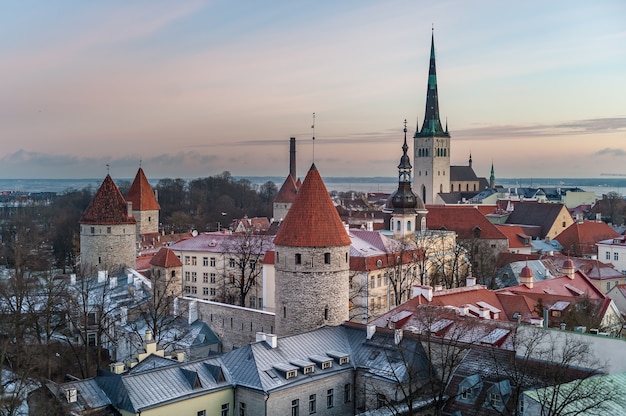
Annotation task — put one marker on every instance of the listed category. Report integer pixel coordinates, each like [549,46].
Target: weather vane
[313,127]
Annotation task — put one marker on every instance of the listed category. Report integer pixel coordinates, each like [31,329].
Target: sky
[194,88]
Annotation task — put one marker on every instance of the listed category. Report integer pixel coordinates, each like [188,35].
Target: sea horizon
[600,185]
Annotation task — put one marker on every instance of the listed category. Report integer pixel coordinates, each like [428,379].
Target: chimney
[397,336]
[193,312]
[438,288]
[148,335]
[470,281]
[272,340]
[102,276]
[116,368]
[292,158]
[371,330]
[129,208]
[261,336]
[71,395]
[369,225]
[598,217]
[463,310]
[426,291]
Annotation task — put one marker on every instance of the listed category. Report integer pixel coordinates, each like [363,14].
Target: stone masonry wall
[109,247]
[313,293]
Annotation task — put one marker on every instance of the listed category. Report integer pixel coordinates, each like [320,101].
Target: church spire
[432,123]
[492,178]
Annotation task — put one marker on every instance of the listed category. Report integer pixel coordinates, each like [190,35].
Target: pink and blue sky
[193,88]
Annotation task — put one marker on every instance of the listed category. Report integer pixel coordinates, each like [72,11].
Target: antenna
[313,127]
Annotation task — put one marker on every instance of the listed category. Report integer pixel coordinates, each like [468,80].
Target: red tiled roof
[559,286]
[107,207]
[583,236]
[467,221]
[165,257]
[516,235]
[312,220]
[288,191]
[141,194]
[269,258]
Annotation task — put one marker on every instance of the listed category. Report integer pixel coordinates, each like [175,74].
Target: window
[607,255]
[212,277]
[495,399]
[212,261]
[252,264]
[291,374]
[205,261]
[252,302]
[194,276]
[326,364]
[187,276]
[615,256]
[608,286]
[381,400]
[260,303]
[563,224]
[226,409]
[326,313]
[298,258]
[326,258]
[194,290]
[330,398]
[93,230]
[277,257]
[379,281]
[231,263]
[212,291]
[187,260]
[468,394]
[312,404]
[295,407]
[347,393]
[108,230]
[202,413]
[194,261]
[372,283]
[91,340]
[187,289]
[205,277]
[242,409]
[205,291]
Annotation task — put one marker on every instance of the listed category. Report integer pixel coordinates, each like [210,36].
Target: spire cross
[313,127]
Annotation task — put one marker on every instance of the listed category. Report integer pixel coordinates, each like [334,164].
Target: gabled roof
[312,220]
[141,194]
[165,257]
[561,286]
[584,236]
[516,235]
[535,213]
[287,192]
[463,174]
[467,221]
[108,206]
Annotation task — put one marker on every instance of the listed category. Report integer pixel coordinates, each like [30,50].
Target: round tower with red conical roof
[312,262]
[107,231]
[145,205]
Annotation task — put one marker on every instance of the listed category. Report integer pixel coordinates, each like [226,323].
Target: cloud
[608,151]
[570,128]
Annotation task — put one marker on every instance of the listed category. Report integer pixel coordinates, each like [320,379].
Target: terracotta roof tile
[516,235]
[141,194]
[464,220]
[165,257]
[581,237]
[107,207]
[312,220]
[288,191]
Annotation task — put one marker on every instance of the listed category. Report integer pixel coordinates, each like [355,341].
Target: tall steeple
[432,144]
[492,178]
[431,127]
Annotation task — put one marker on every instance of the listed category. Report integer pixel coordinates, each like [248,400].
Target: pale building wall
[269,287]
[563,221]
[313,293]
[614,254]
[280,210]
[574,199]
[211,403]
[108,247]
[432,172]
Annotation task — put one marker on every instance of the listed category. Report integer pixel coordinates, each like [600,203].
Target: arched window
[326,313]
[424,193]
[441,188]
[398,227]
[467,186]
[408,225]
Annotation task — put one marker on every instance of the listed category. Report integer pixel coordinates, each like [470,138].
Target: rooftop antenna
[313,127]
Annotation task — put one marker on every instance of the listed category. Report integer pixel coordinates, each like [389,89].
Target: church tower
[312,262]
[409,212]
[145,205]
[432,144]
[107,231]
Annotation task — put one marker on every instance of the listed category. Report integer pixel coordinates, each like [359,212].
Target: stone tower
[287,193]
[107,231]
[166,271]
[145,205]
[432,144]
[409,212]
[312,262]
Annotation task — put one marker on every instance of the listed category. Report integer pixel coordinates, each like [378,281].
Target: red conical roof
[312,220]
[141,194]
[165,258]
[288,191]
[526,272]
[107,207]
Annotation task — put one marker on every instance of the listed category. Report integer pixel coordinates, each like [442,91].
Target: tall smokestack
[292,158]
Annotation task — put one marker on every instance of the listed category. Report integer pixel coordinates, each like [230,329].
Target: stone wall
[234,325]
[147,221]
[108,247]
[310,292]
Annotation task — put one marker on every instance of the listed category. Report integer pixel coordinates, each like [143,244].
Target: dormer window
[291,374]
[327,364]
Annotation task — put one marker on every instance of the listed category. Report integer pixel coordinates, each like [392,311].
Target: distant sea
[342,184]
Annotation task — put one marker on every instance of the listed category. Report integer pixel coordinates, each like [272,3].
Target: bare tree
[243,255]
